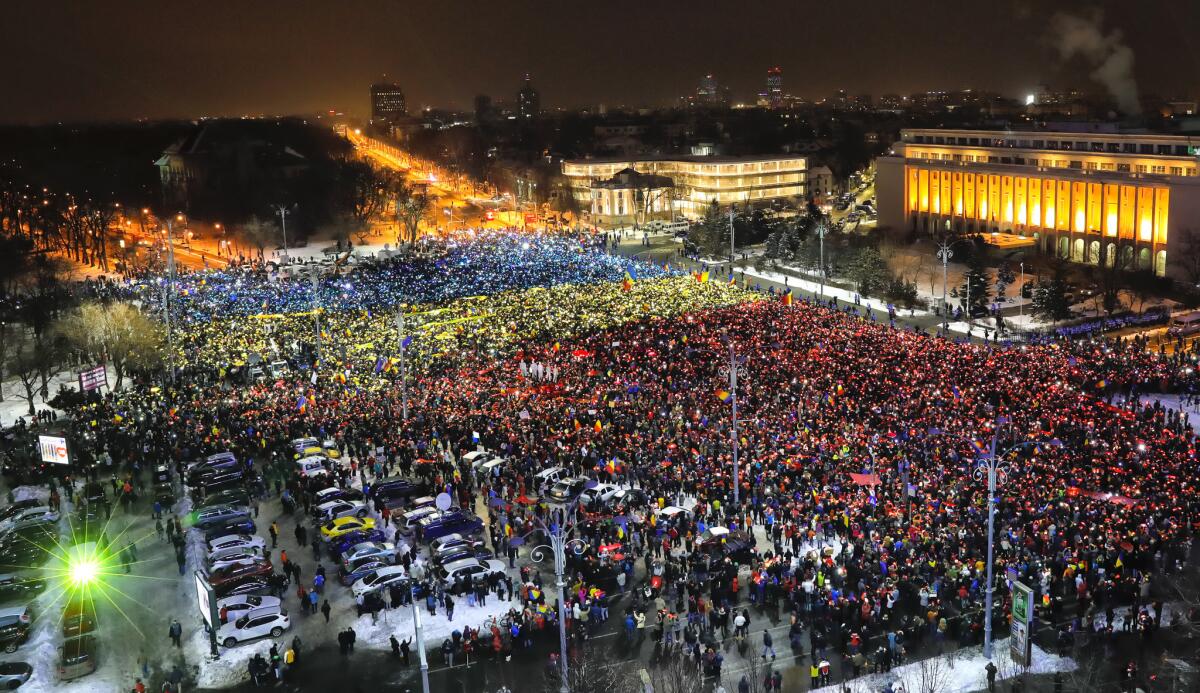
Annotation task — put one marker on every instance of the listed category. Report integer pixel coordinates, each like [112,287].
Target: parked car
[450,522]
[11,511]
[78,618]
[257,623]
[77,657]
[234,556]
[239,572]
[28,516]
[548,477]
[458,553]
[352,572]
[240,604]
[598,493]
[21,585]
[407,523]
[216,515]
[236,541]
[721,542]
[397,487]
[309,467]
[14,626]
[236,496]
[251,586]
[235,525]
[378,579]
[342,544]
[336,493]
[382,550]
[343,526]
[452,540]
[339,508]
[567,490]
[13,674]
[468,570]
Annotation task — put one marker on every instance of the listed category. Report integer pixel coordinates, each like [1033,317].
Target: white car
[442,544]
[311,466]
[546,478]
[477,457]
[469,569]
[302,444]
[340,508]
[234,556]
[601,491]
[384,550]
[256,623]
[247,542]
[25,516]
[378,579]
[238,605]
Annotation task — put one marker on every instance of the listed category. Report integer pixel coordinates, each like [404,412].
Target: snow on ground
[14,406]
[41,493]
[830,291]
[959,672]
[1172,401]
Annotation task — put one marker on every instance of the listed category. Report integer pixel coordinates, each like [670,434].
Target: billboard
[1020,645]
[54,449]
[93,379]
[204,598]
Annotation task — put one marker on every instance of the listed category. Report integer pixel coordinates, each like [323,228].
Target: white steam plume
[1108,55]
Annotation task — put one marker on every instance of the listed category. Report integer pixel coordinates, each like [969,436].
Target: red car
[237,573]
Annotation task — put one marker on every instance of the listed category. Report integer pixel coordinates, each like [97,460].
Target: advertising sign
[54,449]
[93,379]
[1021,644]
[204,598]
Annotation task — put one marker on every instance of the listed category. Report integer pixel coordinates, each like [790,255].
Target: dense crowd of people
[859,443]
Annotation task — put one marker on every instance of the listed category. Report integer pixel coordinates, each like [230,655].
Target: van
[450,522]
[1185,325]
[410,519]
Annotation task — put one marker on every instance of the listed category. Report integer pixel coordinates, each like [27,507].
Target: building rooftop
[705,159]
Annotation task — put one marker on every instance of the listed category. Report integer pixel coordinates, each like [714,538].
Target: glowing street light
[83,571]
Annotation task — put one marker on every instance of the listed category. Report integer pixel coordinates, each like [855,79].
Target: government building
[1120,199]
[615,191]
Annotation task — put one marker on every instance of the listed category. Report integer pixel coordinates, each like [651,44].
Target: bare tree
[116,334]
[932,675]
[411,206]
[677,675]
[260,233]
[595,671]
[1187,258]
[25,363]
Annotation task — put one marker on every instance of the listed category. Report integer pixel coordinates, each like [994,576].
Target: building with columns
[630,197]
[1119,199]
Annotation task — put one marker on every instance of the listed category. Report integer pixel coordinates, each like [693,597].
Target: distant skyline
[120,60]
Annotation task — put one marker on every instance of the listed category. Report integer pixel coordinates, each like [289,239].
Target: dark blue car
[346,541]
[439,525]
[239,525]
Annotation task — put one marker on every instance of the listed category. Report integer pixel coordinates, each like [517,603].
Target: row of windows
[1059,163]
[1065,145]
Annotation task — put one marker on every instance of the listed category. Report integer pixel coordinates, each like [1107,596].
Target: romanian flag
[627,283]
[732,280]
[702,277]
[599,427]
[389,365]
[302,404]
[787,298]
[1100,385]
[979,447]
[666,267]
[555,348]
[379,363]
[724,395]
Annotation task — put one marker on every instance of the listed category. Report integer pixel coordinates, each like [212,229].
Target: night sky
[83,60]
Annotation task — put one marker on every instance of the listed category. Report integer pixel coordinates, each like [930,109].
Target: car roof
[548,472]
[462,563]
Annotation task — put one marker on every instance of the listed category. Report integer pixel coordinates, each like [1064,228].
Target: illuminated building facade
[387,103]
[1116,199]
[698,180]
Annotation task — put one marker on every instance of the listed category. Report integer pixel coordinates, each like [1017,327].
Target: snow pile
[40,493]
[959,672]
[436,628]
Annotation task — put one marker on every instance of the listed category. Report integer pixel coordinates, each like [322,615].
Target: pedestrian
[325,609]
[176,633]
[274,532]
[395,646]
[991,676]
[449,608]
[404,648]
[768,645]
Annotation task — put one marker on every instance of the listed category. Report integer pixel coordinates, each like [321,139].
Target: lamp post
[993,467]
[283,211]
[402,339]
[420,632]
[1020,294]
[167,301]
[732,370]
[316,307]
[944,253]
[558,533]
[821,231]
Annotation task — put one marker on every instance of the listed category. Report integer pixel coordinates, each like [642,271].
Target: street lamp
[995,468]
[283,211]
[821,231]
[944,253]
[403,341]
[733,370]
[563,523]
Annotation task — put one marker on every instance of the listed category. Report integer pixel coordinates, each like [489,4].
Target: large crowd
[858,440]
